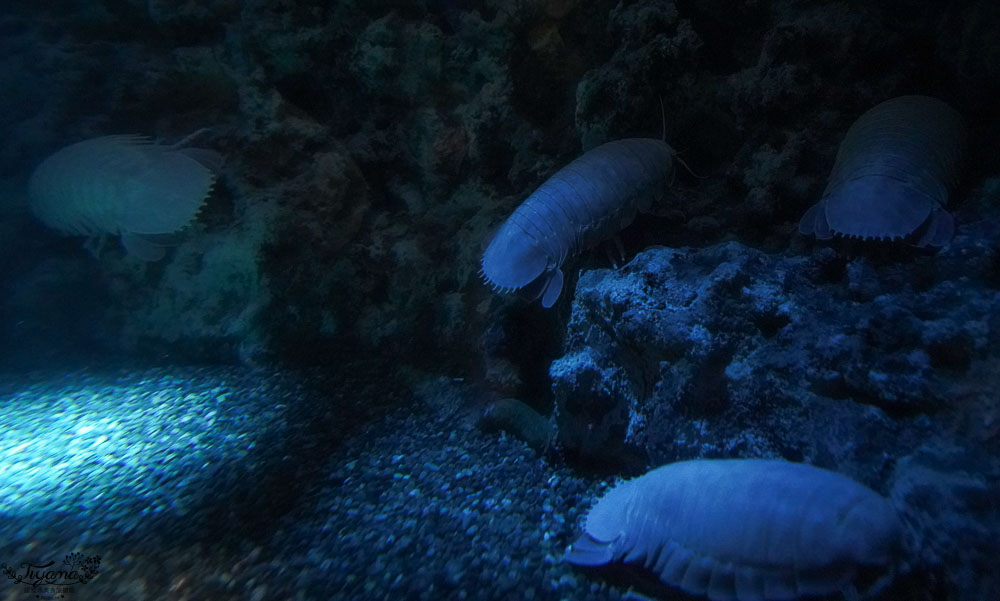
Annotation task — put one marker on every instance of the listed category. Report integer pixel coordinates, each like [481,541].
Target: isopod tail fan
[893,175]
[546,289]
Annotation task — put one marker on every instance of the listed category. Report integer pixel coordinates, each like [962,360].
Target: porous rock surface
[873,361]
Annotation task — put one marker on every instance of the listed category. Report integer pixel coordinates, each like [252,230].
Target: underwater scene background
[355,300]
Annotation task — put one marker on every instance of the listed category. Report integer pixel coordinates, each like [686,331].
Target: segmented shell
[894,170]
[119,185]
[745,529]
[585,202]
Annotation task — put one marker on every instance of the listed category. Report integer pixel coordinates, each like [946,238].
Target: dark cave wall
[371,146]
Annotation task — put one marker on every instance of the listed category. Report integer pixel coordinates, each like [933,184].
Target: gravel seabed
[410,503]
